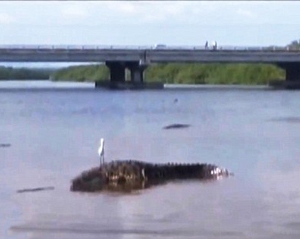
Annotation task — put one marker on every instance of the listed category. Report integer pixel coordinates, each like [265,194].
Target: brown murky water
[54,134]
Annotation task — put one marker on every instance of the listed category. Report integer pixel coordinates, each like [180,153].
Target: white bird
[101,151]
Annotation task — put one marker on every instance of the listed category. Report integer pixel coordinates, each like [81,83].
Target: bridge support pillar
[118,76]
[117,71]
[292,71]
[136,71]
[292,76]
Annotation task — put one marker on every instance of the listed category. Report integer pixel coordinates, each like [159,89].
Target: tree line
[253,74]
[11,73]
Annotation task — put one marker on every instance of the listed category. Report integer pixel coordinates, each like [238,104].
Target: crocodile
[129,175]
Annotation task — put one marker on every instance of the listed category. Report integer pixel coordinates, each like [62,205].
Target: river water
[54,130]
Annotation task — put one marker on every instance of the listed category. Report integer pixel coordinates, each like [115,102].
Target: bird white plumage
[101,151]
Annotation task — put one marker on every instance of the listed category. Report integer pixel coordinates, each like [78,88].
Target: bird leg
[102,159]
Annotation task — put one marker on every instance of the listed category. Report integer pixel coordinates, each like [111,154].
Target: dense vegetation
[214,73]
[183,73]
[82,73]
[10,73]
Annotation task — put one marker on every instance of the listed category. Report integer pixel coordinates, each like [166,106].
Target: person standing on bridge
[214,45]
[206,45]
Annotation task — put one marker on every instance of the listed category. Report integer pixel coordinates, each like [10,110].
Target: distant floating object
[5,145]
[287,119]
[34,189]
[176,126]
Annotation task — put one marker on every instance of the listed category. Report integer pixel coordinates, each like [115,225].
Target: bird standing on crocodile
[101,151]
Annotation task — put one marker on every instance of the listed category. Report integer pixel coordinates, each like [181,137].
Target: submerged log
[4,145]
[176,126]
[34,189]
[131,175]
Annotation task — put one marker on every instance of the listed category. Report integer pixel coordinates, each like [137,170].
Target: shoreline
[48,84]
[215,87]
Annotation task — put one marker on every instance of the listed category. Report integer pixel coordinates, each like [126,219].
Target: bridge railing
[67,47]
[149,47]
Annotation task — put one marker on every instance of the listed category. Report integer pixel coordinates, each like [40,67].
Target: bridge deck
[30,53]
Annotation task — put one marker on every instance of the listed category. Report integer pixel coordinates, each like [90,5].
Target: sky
[234,23]
[144,23]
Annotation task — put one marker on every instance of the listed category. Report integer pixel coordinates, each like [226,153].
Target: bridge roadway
[128,54]
[136,59]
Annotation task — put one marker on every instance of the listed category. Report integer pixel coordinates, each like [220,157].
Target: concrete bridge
[136,59]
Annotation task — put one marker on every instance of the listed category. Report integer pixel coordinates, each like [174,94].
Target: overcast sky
[236,23]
